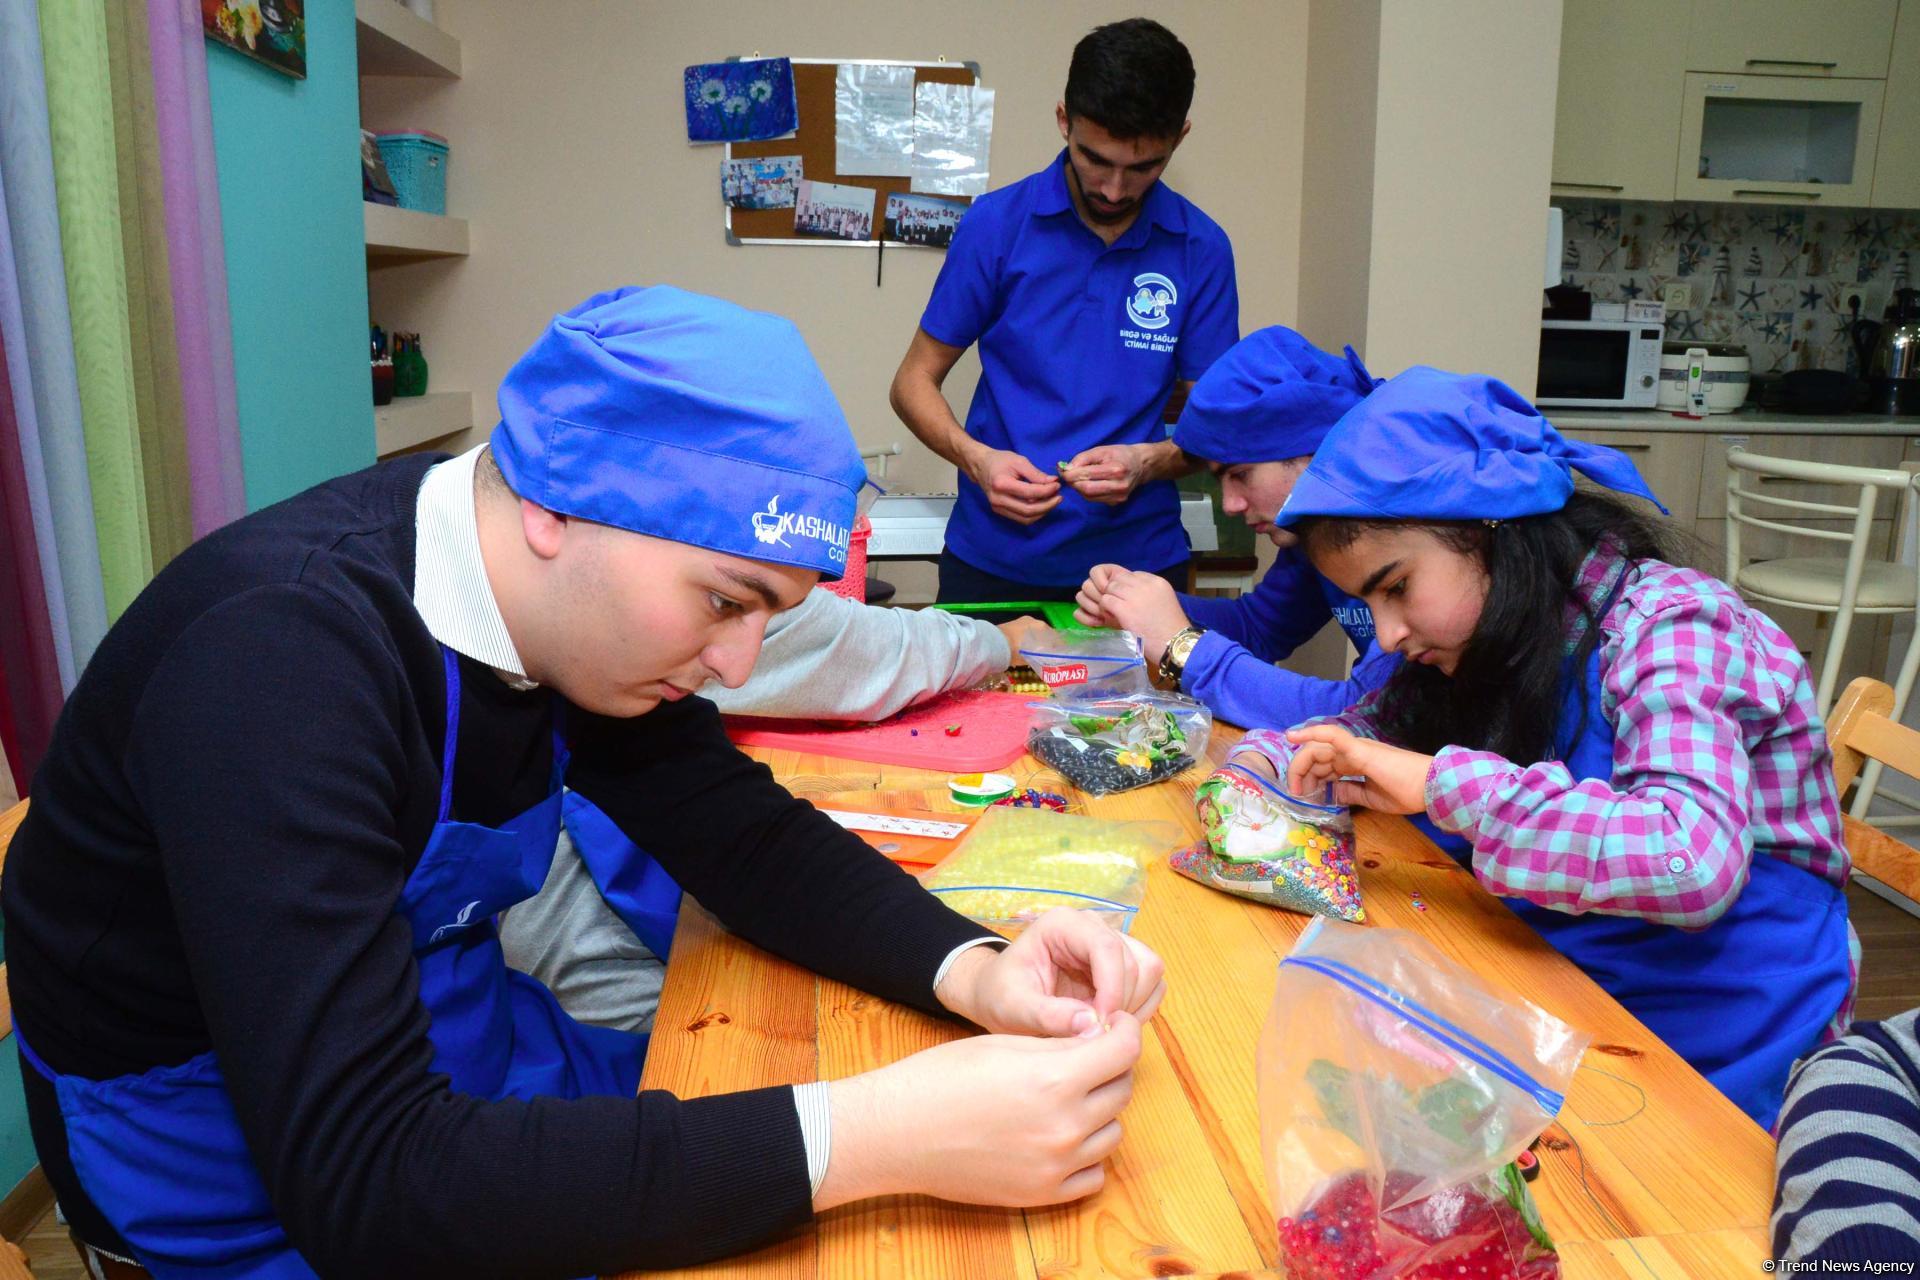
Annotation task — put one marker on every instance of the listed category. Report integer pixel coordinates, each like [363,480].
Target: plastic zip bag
[1266,844]
[1116,744]
[1395,1091]
[1086,664]
[1017,864]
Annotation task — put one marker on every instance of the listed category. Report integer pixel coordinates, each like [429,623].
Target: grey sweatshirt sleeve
[833,658]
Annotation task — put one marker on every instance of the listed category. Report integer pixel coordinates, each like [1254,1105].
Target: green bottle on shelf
[409,367]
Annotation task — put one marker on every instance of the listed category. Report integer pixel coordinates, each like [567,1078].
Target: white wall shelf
[407,233]
[414,420]
[395,41]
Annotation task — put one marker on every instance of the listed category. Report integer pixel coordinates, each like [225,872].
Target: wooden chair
[1863,733]
[13,1263]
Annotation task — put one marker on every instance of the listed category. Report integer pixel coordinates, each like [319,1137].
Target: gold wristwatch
[1173,660]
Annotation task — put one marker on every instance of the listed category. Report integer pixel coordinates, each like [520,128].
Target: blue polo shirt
[1080,345]
[1232,668]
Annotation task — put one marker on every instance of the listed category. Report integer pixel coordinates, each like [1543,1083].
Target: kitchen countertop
[1742,422]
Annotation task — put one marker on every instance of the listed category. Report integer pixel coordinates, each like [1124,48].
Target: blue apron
[638,889]
[162,1155]
[1740,999]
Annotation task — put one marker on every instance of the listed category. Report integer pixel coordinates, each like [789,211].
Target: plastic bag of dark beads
[1104,745]
[1395,1093]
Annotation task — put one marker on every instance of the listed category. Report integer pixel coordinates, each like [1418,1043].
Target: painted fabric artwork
[741,101]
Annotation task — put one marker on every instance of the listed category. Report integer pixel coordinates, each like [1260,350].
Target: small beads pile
[1026,680]
[1031,799]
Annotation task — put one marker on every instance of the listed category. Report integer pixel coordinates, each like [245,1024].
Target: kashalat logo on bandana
[773,525]
[1152,297]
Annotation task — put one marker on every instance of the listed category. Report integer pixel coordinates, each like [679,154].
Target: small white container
[1720,372]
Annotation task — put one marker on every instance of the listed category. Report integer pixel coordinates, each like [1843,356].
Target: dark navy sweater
[235,794]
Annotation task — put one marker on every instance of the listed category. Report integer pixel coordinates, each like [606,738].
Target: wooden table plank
[1694,1255]
[904,1236]
[1648,1173]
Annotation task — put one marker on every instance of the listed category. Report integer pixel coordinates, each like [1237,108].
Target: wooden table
[1649,1173]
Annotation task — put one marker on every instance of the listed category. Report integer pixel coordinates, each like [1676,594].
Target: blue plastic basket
[417,164]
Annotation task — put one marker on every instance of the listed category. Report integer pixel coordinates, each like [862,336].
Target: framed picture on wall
[271,31]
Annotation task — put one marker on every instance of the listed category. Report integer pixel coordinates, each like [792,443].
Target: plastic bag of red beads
[1395,1092]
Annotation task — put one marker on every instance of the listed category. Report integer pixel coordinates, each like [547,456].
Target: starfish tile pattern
[1793,270]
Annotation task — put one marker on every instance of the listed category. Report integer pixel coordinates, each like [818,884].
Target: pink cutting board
[993,734]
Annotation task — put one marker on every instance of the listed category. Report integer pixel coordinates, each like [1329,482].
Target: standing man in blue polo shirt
[1093,290]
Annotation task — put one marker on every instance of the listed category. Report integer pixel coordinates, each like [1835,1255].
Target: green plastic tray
[1057,614]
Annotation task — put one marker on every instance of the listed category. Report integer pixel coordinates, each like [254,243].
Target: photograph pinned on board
[834,211]
[923,220]
[269,31]
[748,101]
[765,183]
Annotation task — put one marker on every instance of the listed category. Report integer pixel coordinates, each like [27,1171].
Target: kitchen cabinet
[1839,38]
[1669,461]
[1896,172]
[1616,128]
[1778,139]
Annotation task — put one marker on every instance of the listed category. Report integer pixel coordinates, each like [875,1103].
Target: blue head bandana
[1432,445]
[1273,396]
[683,417]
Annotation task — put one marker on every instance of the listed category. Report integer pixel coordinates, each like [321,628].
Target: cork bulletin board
[813,142]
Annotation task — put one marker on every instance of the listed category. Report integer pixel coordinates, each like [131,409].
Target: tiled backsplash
[1776,280]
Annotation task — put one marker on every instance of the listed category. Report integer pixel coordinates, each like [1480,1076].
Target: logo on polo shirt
[1152,297]
[773,525]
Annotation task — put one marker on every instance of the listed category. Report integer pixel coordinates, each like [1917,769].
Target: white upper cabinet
[1841,38]
[1896,171]
[1616,127]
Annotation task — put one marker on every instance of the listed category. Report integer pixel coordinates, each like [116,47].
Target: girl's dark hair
[1505,696]
[1132,78]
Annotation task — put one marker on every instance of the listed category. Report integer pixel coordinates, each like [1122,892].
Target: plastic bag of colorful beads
[1265,844]
[1395,1093]
[1104,745]
[1086,664]
[1021,680]
[1017,863]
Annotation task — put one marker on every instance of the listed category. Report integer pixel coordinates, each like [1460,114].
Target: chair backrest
[1751,505]
[1859,731]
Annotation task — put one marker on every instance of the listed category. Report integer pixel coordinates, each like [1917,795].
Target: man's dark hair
[1133,78]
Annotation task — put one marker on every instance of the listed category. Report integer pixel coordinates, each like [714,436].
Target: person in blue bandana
[265,1023]
[1093,290]
[1255,419]
[1622,748]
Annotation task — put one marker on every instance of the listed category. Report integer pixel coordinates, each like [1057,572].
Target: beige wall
[1463,158]
[1430,200]
[1336,216]
[570,160]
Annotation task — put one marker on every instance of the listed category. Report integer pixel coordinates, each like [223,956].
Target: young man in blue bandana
[266,1025]
[1092,289]
[1255,419]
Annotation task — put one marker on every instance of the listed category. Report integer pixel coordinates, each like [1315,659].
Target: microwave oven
[1599,364]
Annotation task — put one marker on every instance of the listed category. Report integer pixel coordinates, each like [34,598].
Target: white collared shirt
[450,587]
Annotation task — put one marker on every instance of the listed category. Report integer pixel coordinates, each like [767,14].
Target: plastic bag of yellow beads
[1017,864]
[1266,844]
